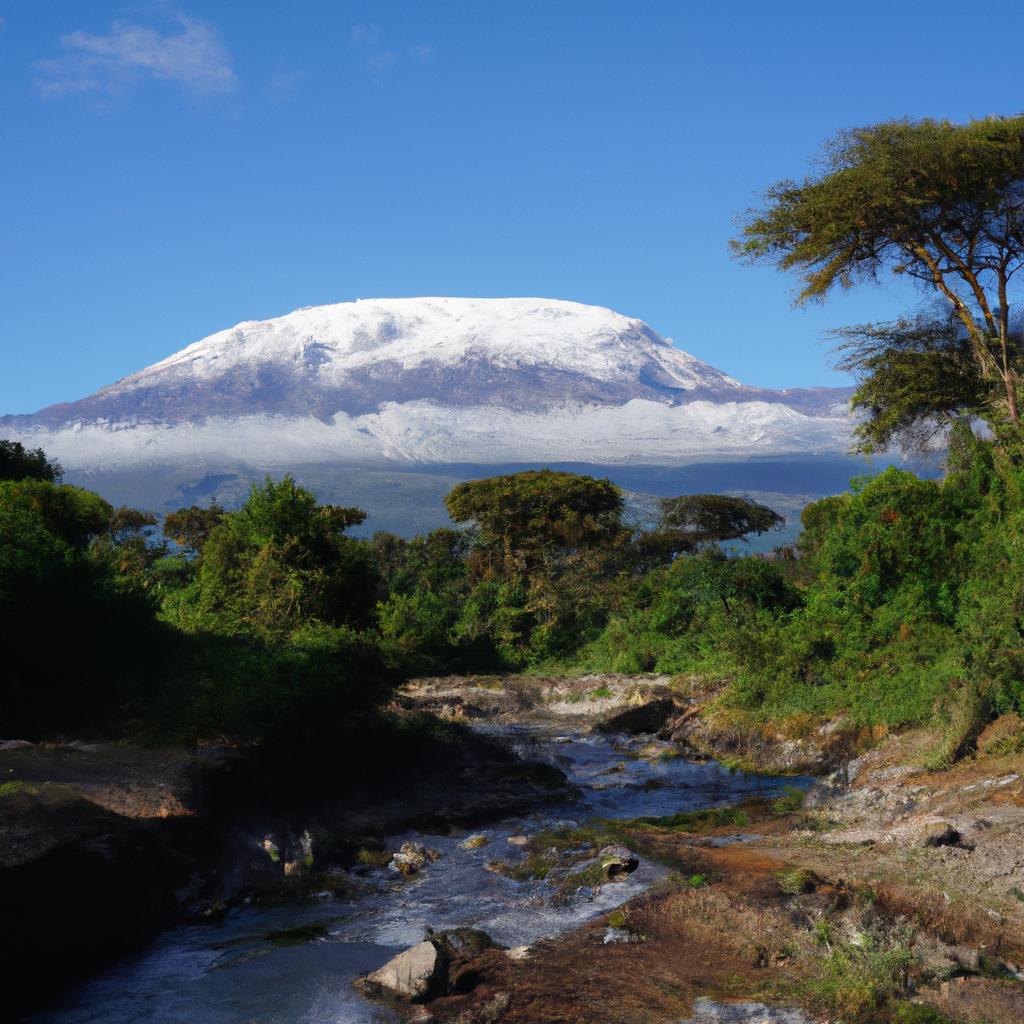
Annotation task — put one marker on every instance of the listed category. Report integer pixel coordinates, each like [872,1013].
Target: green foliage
[77,641]
[915,377]
[906,604]
[20,463]
[794,881]
[856,982]
[934,200]
[75,515]
[278,562]
[190,528]
[705,518]
[530,516]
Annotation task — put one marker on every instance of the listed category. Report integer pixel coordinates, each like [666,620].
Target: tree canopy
[20,463]
[942,203]
[191,527]
[713,518]
[916,376]
[526,514]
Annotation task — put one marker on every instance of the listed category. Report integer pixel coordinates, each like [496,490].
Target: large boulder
[413,976]
[443,963]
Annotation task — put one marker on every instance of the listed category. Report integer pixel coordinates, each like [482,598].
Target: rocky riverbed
[636,879]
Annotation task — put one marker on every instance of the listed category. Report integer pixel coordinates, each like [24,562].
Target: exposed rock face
[648,717]
[757,750]
[411,976]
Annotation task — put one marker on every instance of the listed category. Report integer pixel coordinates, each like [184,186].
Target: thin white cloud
[365,35]
[376,58]
[191,54]
[284,81]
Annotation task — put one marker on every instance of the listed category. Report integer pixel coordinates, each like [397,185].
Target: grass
[791,801]
[967,715]
[795,881]
[298,935]
[856,983]
[373,858]
[694,821]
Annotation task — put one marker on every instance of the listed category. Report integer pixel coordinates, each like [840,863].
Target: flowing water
[232,973]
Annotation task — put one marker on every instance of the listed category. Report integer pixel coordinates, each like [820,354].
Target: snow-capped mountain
[433,380]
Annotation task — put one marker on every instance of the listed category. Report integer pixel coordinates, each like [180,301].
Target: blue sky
[169,170]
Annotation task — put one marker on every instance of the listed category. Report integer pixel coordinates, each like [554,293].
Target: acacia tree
[690,522]
[536,515]
[939,202]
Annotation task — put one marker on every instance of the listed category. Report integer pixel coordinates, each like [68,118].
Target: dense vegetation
[902,602]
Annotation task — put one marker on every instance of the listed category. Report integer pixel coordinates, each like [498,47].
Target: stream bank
[104,845]
[280,963]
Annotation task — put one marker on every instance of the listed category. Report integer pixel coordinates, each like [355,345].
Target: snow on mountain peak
[433,379]
[513,332]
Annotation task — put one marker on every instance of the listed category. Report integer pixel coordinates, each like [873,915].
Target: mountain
[432,380]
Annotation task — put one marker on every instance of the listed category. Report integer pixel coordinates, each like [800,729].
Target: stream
[230,972]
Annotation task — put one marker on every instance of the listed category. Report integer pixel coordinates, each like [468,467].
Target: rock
[412,976]
[707,1011]
[410,858]
[518,953]
[15,744]
[941,834]
[463,941]
[474,842]
[617,860]
[517,840]
[649,717]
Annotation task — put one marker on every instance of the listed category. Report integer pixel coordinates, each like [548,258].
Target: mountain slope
[433,380]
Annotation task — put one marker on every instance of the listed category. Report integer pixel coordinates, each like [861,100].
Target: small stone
[617,860]
[517,840]
[519,953]
[474,842]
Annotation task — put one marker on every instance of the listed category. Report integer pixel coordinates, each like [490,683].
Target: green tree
[191,527]
[19,463]
[537,515]
[916,377]
[715,518]
[280,561]
[942,203]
